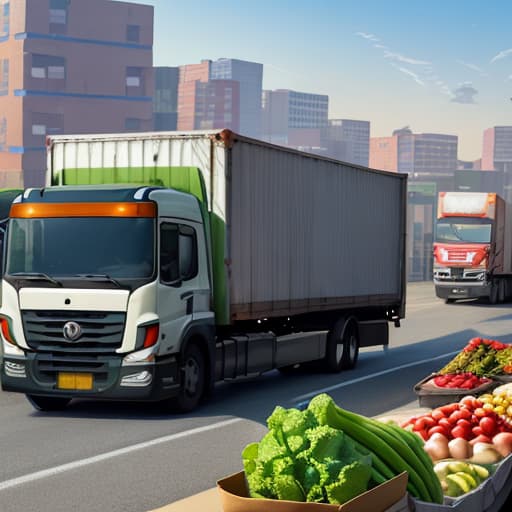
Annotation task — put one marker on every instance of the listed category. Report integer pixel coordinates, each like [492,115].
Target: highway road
[115,457]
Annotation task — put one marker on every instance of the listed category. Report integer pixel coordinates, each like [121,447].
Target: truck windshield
[458,230]
[114,248]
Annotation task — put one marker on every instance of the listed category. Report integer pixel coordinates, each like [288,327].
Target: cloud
[473,67]
[411,74]
[501,55]
[381,46]
[371,37]
[464,93]
[402,58]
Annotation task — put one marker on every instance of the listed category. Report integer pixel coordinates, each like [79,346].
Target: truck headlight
[9,342]
[145,356]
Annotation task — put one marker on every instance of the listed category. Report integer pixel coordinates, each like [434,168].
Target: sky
[437,66]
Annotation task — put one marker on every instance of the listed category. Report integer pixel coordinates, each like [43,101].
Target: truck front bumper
[458,290]
[147,382]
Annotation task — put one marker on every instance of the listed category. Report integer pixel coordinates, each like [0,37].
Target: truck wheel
[193,376]
[48,403]
[494,295]
[342,346]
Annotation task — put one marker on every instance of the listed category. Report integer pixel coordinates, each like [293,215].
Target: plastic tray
[434,396]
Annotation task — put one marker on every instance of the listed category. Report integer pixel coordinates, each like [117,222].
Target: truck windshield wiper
[36,276]
[100,277]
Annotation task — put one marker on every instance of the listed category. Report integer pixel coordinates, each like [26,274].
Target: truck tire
[494,294]
[342,346]
[193,380]
[48,403]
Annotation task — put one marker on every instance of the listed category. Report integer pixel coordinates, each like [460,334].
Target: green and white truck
[154,265]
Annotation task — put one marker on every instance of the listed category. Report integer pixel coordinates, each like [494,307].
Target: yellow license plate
[82,381]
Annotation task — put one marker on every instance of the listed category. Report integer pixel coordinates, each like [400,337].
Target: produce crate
[503,378]
[390,496]
[430,395]
[489,496]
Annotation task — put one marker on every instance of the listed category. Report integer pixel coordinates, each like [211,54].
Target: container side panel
[304,231]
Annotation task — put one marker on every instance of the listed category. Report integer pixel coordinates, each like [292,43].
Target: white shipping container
[302,233]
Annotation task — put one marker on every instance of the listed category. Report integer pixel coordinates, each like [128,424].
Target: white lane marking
[371,376]
[45,473]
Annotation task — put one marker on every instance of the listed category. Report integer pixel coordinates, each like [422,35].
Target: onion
[437,447]
[503,443]
[460,448]
[485,453]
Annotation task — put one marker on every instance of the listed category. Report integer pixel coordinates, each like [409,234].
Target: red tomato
[465,413]
[480,439]
[464,424]
[445,423]
[459,431]
[449,408]
[437,414]
[429,422]
[439,429]
[455,416]
[488,426]
[477,431]
[479,412]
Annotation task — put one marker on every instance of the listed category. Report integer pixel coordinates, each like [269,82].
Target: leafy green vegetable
[300,459]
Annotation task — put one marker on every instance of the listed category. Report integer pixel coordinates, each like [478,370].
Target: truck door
[178,279]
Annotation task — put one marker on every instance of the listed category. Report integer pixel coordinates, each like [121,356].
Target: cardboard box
[206,501]
[234,497]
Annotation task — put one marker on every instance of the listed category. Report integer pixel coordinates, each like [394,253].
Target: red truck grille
[454,255]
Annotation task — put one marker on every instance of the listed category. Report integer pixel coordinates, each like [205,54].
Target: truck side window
[169,253]
[188,253]
[178,253]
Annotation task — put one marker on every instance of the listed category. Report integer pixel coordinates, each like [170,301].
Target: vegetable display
[328,454]
[467,419]
[464,380]
[483,358]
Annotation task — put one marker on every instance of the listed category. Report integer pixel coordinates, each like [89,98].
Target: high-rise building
[420,154]
[67,68]
[238,105]
[165,98]
[347,140]
[294,118]
[497,155]
[217,105]
[250,77]
[204,103]
[189,75]
[497,149]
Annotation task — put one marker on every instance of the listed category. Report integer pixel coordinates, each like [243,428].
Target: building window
[4,77]
[48,66]
[4,19]
[43,124]
[133,33]
[132,124]
[3,133]
[58,16]
[59,11]
[134,82]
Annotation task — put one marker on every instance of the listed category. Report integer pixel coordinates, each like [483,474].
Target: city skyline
[438,68]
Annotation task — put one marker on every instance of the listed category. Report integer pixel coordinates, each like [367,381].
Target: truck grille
[102,332]
[457,255]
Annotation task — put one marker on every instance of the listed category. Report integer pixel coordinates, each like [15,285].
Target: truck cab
[469,246]
[103,288]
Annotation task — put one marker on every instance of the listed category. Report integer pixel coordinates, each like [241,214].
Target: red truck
[472,251]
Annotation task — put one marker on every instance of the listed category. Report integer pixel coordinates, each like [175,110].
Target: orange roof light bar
[45,210]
